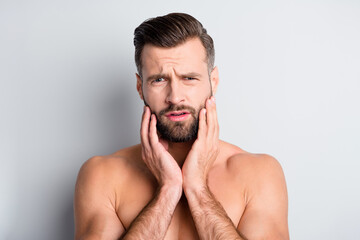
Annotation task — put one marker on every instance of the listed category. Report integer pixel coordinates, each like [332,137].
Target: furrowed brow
[156,76]
[190,74]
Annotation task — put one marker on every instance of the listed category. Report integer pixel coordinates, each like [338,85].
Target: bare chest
[182,225]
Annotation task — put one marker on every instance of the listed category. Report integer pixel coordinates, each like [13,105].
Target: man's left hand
[205,149]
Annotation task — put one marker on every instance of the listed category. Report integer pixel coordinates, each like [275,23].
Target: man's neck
[179,151]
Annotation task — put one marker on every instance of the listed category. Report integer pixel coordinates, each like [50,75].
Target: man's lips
[177,115]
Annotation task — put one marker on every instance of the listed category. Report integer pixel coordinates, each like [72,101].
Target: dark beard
[178,131]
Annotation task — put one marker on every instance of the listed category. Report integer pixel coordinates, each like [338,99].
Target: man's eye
[189,78]
[159,80]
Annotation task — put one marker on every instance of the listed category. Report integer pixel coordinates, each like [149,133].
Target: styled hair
[169,31]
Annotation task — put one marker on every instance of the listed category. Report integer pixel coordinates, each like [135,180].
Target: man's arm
[266,212]
[95,214]
[94,206]
[154,220]
[265,215]
[210,218]
[95,211]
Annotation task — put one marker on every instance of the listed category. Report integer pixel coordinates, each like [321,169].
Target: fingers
[154,139]
[148,132]
[202,124]
[144,130]
[211,117]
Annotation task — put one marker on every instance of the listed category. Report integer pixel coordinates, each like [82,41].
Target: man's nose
[175,95]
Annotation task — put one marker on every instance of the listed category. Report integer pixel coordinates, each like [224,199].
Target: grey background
[289,72]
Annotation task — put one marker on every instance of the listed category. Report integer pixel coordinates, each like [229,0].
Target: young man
[181,182]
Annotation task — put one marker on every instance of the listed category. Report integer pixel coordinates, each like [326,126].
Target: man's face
[175,85]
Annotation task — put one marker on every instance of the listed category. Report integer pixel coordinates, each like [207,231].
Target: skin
[201,189]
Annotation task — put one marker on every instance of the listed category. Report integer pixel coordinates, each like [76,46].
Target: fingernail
[204,111]
[213,99]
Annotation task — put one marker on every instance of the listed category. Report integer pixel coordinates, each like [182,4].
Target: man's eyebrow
[157,76]
[190,74]
[167,76]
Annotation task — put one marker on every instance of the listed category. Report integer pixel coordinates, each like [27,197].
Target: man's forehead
[189,55]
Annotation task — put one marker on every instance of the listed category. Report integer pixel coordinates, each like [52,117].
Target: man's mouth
[178,115]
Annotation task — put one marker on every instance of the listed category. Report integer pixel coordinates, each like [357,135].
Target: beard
[182,131]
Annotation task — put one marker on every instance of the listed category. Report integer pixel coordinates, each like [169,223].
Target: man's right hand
[160,162]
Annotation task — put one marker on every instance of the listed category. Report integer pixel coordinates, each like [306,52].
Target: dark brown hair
[169,31]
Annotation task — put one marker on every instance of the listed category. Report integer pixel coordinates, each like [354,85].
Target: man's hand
[210,218]
[156,157]
[204,150]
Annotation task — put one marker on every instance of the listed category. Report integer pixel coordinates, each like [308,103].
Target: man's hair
[169,31]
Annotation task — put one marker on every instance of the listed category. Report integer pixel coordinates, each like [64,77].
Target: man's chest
[141,192]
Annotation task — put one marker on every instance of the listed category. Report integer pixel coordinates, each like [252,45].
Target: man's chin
[178,139]
[178,131]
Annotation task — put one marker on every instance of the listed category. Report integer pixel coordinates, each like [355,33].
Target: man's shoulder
[243,163]
[254,161]
[113,166]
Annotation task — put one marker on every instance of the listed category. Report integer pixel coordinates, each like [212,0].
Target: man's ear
[214,78]
[139,86]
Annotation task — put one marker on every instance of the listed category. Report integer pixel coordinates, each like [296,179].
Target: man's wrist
[171,192]
[194,186]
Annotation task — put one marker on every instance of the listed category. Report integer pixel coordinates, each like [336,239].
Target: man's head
[169,31]
[175,57]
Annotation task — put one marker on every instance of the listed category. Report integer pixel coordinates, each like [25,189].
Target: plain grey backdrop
[289,87]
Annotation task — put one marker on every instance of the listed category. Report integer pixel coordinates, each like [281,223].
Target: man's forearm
[210,218]
[154,220]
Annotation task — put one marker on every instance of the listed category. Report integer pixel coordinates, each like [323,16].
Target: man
[181,182]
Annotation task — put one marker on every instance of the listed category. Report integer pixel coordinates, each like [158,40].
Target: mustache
[171,108]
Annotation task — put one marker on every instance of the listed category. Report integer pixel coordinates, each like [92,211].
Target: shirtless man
[181,182]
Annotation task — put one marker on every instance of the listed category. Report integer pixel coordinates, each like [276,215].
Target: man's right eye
[159,80]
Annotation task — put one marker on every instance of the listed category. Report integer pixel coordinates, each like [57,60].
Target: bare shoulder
[113,166]
[109,168]
[262,178]
[259,172]
[99,187]
[254,163]
[113,177]
[251,165]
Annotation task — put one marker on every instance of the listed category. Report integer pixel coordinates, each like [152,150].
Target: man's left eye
[189,78]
